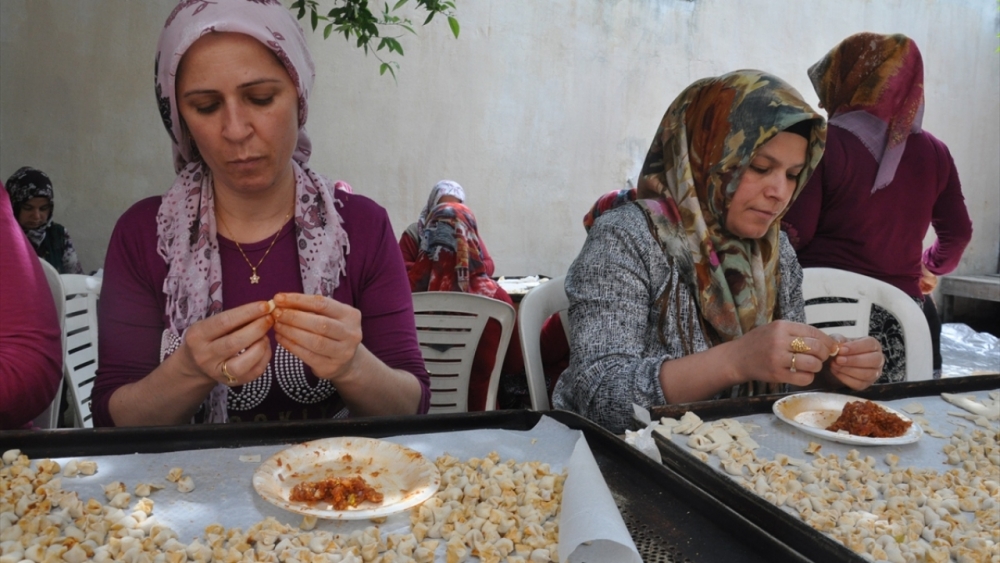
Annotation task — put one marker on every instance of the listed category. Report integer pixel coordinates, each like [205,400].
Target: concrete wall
[538,108]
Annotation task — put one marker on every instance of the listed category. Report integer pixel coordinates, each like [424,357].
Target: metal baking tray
[789,528]
[670,520]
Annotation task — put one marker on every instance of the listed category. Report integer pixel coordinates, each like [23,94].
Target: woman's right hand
[767,353]
[235,339]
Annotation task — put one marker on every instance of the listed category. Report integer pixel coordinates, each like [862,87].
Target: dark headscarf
[25,184]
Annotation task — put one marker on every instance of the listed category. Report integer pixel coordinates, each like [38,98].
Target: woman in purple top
[30,343]
[253,289]
[882,182]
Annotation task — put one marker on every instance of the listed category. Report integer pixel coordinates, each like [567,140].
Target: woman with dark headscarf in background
[33,201]
[882,182]
[692,292]
[445,191]
[451,259]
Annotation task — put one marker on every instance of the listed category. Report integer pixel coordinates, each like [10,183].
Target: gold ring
[799,345]
[229,378]
[792,369]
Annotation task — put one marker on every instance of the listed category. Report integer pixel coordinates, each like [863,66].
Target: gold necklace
[254,278]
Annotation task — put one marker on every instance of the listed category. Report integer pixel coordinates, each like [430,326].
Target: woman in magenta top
[30,340]
[187,330]
[881,183]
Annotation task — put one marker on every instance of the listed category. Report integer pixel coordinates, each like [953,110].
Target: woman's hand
[234,342]
[928,281]
[323,333]
[859,362]
[782,352]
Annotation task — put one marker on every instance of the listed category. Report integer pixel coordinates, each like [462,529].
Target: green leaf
[394,45]
[429,18]
[384,67]
[327,30]
[314,19]
[454,25]
[408,28]
[399,4]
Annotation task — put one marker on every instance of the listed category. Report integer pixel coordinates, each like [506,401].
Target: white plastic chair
[851,319]
[449,325]
[80,342]
[50,416]
[538,305]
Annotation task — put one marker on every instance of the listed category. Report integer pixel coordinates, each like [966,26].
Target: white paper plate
[812,413]
[521,285]
[403,476]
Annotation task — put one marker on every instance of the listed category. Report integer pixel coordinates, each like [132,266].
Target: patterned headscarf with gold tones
[873,86]
[704,144]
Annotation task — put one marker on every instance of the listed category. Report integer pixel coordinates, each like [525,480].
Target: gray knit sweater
[613,286]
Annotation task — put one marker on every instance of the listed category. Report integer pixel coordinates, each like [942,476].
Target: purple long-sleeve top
[132,318]
[30,338]
[838,223]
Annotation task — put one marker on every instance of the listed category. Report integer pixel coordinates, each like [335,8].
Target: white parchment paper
[590,527]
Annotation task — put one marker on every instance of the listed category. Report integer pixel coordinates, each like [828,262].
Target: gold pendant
[254,278]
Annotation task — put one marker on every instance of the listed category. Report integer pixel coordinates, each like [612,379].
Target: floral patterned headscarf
[450,257]
[25,184]
[186,228]
[607,202]
[873,86]
[703,146]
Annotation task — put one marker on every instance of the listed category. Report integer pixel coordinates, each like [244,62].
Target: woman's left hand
[321,332]
[859,362]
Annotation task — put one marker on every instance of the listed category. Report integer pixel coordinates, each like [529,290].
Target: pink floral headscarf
[186,229]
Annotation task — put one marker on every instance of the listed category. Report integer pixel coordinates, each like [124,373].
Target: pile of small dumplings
[498,512]
[902,515]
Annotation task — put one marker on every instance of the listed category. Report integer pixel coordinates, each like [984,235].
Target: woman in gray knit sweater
[692,291]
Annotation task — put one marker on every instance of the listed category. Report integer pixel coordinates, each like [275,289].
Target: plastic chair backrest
[50,416]
[449,325]
[851,319]
[80,341]
[538,305]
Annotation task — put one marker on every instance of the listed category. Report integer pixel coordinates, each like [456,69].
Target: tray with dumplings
[838,500]
[510,491]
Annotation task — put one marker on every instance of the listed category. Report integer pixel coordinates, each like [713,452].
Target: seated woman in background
[444,191]
[882,182]
[692,292]
[33,201]
[450,259]
[186,327]
[30,339]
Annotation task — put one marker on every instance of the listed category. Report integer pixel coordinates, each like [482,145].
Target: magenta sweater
[30,339]
[131,315]
[838,223]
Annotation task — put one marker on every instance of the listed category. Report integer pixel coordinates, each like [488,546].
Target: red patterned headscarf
[606,203]
[451,258]
[704,144]
[873,86]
